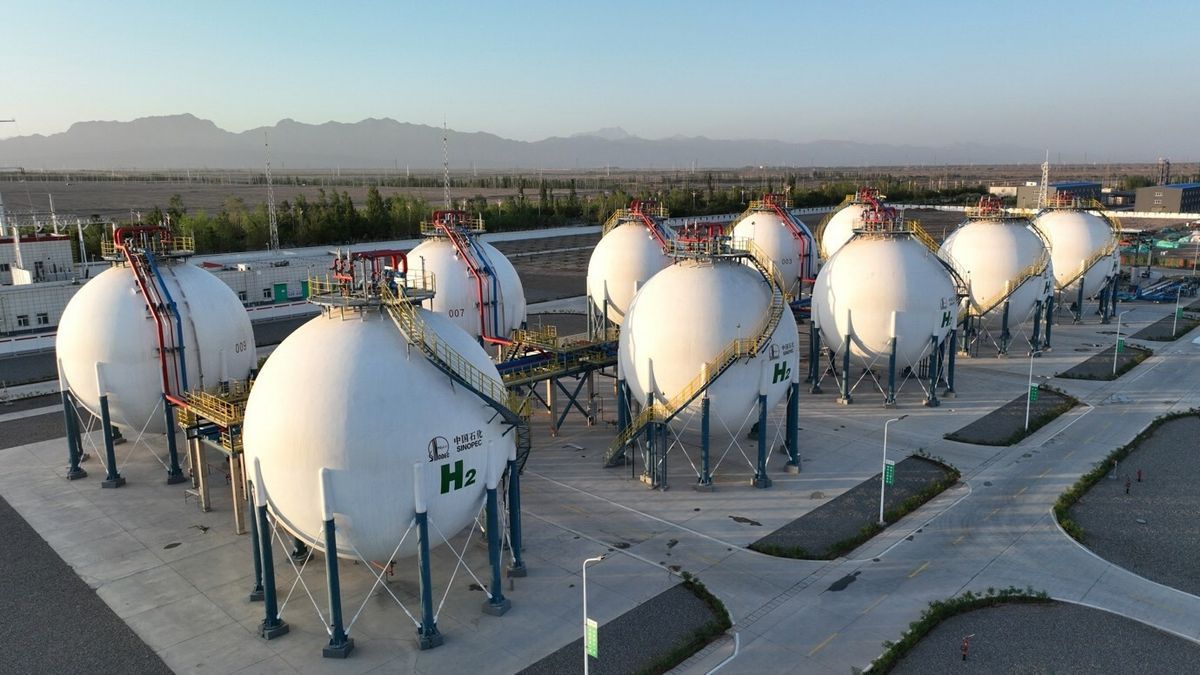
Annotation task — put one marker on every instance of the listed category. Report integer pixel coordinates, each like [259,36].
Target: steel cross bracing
[737,349]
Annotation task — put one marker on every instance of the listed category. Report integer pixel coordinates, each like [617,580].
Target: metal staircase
[442,355]
[736,350]
[459,228]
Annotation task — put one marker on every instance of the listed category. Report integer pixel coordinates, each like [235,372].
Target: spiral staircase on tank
[662,412]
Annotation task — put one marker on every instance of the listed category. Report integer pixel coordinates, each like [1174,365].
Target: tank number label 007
[456,478]
[456,313]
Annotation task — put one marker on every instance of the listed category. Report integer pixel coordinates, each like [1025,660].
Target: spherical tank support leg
[174,472]
[428,635]
[74,455]
[113,479]
[761,480]
[496,604]
[340,645]
[793,429]
[272,626]
[517,568]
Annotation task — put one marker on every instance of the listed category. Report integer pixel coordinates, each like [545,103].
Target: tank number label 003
[239,347]
[456,478]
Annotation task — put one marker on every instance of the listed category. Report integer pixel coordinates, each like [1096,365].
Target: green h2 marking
[455,476]
[945,319]
[782,372]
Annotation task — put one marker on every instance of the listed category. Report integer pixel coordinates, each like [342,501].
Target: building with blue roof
[1173,198]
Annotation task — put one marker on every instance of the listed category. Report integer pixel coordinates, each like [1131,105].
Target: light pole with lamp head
[1117,346]
[585,614]
[883,468]
[1029,389]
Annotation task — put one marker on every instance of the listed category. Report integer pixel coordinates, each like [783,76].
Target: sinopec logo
[439,448]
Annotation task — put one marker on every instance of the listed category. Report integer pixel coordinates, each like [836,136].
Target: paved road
[1000,533]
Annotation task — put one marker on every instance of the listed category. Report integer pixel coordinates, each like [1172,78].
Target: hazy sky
[1114,79]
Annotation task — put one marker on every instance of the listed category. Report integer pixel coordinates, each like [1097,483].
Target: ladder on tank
[445,358]
[736,350]
[780,206]
[1068,201]
[459,228]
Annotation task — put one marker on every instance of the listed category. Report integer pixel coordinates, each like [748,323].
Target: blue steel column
[1112,298]
[889,400]
[174,472]
[761,480]
[113,479]
[1079,300]
[340,645]
[1049,321]
[497,604]
[517,568]
[793,429]
[622,403]
[74,444]
[428,635]
[1037,326]
[1005,335]
[705,482]
[934,364]
[951,355]
[272,626]
[845,398]
[814,357]
[1104,293]
[256,593]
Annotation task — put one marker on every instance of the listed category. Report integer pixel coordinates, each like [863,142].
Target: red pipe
[162,352]
[443,219]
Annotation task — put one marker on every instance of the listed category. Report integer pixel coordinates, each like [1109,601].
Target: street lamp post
[585,614]
[1117,346]
[1029,389]
[883,467]
[1175,320]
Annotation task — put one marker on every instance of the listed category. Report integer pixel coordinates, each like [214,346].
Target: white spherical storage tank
[874,278]
[351,397]
[684,317]
[622,261]
[1077,238]
[840,228]
[458,290]
[994,256]
[774,237]
[107,323]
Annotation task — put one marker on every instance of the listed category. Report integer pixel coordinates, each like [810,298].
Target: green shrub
[940,610]
[1066,500]
[701,636]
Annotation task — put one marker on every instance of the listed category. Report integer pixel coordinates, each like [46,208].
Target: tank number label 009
[456,478]
[239,347]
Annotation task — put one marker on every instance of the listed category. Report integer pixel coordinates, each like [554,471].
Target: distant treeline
[333,218]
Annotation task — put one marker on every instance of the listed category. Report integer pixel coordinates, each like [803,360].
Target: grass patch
[1185,325]
[1066,500]
[1084,371]
[873,528]
[1037,420]
[940,610]
[700,637]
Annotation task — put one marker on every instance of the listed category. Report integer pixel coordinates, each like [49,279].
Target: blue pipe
[487,267]
[178,321]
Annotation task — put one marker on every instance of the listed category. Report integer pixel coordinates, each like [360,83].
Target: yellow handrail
[156,246]
[404,314]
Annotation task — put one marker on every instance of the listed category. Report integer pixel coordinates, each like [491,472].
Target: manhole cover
[1141,521]
[987,483]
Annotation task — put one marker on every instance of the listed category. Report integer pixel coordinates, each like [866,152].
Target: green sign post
[889,473]
[1033,393]
[591,638]
[1120,345]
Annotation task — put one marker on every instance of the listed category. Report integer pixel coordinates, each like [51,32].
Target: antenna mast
[1043,192]
[272,217]
[445,168]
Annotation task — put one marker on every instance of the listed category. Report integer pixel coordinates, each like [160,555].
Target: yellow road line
[1021,491]
[1068,455]
[875,604]
[822,645]
[918,570]
[994,511]
[1043,474]
[960,538]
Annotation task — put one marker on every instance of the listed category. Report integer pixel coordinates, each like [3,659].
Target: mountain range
[186,141]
